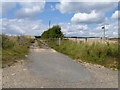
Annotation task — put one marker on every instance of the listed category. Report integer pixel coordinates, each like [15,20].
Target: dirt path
[46,68]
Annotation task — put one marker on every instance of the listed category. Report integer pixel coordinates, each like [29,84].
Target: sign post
[103,27]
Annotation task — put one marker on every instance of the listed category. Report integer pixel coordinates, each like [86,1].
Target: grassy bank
[14,48]
[96,53]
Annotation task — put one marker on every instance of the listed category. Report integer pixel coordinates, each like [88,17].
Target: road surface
[46,68]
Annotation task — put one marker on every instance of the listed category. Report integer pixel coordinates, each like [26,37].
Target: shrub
[6,42]
[54,32]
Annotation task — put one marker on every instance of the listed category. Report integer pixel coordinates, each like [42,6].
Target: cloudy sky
[81,19]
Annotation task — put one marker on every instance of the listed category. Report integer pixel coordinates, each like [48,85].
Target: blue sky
[47,14]
[75,19]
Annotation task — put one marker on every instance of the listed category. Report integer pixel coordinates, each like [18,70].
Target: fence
[92,40]
[58,41]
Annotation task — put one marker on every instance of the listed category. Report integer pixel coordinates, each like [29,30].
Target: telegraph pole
[49,23]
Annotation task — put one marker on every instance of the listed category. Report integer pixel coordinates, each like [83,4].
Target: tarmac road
[50,69]
[56,66]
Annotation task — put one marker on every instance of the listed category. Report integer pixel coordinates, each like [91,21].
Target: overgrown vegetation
[54,32]
[96,53]
[14,48]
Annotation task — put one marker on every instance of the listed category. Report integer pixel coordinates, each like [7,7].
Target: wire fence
[58,41]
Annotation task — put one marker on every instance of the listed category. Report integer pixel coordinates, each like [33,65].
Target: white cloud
[22,26]
[70,29]
[85,7]
[111,30]
[36,27]
[29,9]
[28,27]
[89,0]
[6,6]
[74,29]
[116,15]
[90,18]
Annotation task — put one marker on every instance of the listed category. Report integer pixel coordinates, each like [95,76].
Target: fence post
[76,39]
[59,41]
[86,39]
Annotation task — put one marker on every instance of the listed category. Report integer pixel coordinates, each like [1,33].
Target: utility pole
[49,23]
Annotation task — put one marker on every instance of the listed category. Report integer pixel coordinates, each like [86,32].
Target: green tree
[54,32]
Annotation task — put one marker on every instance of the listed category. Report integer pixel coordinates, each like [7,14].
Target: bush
[6,42]
[54,32]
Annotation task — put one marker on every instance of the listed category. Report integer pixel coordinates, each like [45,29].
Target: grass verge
[14,48]
[96,53]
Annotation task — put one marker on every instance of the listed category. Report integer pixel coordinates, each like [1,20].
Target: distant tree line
[54,32]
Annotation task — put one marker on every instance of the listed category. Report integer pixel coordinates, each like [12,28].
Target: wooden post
[76,39]
[86,39]
[59,41]
[100,39]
